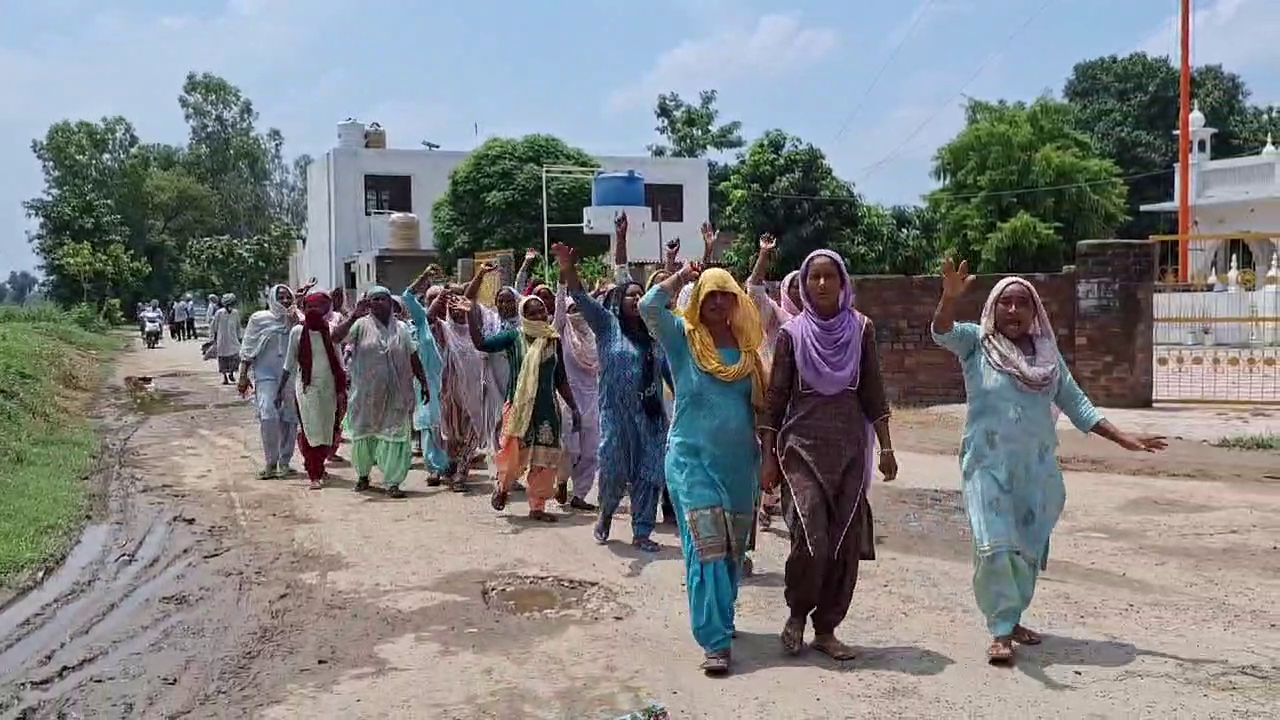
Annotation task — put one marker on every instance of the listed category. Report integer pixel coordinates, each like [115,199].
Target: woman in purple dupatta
[826,409]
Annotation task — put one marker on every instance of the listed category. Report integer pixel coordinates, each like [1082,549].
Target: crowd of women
[688,392]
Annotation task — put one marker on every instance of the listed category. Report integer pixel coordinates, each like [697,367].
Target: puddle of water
[90,547]
[148,399]
[550,596]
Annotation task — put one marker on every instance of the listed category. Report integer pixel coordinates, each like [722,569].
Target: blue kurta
[426,416]
[632,444]
[1012,485]
[712,472]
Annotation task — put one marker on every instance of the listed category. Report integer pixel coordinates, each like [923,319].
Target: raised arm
[525,270]
[472,290]
[961,339]
[561,315]
[671,257]
[761,268]
[657,315]
[593,312]
[344,328]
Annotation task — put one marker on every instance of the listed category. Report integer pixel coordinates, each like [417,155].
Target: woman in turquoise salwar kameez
[1016,382]
[713,457]
[426,416]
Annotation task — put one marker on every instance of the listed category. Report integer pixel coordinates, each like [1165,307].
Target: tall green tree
[1021,186]
[784,186]
[20,285]
[244,266]
[494,200]
[1128,105]
[695,131]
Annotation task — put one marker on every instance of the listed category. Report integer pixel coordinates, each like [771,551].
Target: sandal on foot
[792,636]
[562,493]
[830,646]
[748,566]
[578,503]
[716,664]
[601,531]
[542,516]
[316,485]
[498,501]
[434,481]
[395,493]
[458,485]
[1026,636]
[1000,652]
[361,485]
[646,545]
[268,474]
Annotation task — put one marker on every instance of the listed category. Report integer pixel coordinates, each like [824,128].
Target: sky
[877,85]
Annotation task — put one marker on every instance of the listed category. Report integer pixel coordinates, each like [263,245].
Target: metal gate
[1217,335]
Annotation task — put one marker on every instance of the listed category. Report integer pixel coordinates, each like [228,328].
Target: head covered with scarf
[315,308]
[747,330]
[789,307]
[580,339]
[264,325]
[634,329]
[1040,373]
[538,341]
[828,351]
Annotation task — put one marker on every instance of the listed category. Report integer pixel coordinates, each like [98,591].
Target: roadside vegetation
[1256,441]
[51,364]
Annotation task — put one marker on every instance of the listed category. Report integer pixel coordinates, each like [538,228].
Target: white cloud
[774,47]
[1237,33]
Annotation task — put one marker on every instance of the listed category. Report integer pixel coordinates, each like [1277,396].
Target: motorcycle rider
[152,316]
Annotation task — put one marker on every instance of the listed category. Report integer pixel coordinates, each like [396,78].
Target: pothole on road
[550,596]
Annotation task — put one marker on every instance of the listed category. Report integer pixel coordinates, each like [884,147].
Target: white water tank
[351,133]
[404,232]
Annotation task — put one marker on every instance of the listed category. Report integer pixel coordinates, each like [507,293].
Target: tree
[989,208]
[494,200]
[102,272]
[692,131]
[19,286]
[244,266]
[785,186]
[896,240]
[1129,107]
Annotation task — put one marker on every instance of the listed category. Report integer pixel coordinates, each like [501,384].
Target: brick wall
[917,371]
[1100,309]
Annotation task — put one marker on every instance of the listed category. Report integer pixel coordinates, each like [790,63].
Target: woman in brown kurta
[826,410]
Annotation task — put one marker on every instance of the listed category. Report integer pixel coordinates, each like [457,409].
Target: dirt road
[203,592]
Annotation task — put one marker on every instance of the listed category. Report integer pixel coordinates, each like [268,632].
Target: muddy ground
[201,592]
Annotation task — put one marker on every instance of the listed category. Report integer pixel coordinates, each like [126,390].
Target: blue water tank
[618,189]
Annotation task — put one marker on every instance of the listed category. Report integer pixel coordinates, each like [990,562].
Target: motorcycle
[151,333]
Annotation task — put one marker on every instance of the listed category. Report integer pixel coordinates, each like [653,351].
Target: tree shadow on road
[753,652]
[1035,660]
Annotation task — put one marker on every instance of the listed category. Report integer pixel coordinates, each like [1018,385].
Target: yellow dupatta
[542,347]
[747,329]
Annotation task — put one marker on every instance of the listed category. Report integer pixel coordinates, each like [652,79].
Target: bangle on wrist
[885,451]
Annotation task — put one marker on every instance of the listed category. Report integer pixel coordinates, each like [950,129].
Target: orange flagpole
[1184,149]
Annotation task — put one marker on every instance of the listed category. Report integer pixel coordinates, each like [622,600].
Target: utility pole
[1184,150]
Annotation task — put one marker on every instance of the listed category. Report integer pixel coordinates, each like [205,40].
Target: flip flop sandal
[646,545]
[834,649]
[792,637]
[1023,636]
[1000,653]
[498,501]
[716,664]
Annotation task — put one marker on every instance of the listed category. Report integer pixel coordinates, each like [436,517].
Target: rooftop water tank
[404,232]
[375,138]
[350,133]
[618,189]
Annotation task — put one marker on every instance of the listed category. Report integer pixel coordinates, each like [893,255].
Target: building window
[388,193]
[666,201]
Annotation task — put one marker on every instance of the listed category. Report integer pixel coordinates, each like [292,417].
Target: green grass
[1258,441]
[49,369]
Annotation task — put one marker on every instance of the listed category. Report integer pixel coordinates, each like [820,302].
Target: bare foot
[1001,651]
[1026,636]
[830,646]
[793,636]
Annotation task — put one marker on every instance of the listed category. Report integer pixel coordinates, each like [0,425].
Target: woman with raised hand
[713,457]
[633,425]
[827,408]
[531,423]
[1016,382]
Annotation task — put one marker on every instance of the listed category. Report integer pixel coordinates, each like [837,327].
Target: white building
[1236,195]
[1233,294]
[352,190]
